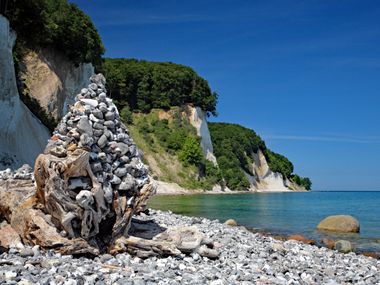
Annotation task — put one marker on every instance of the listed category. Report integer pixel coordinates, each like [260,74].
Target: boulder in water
[231,222]
[340,223]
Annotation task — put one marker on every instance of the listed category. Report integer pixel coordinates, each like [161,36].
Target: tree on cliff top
[57,24]
[145,85]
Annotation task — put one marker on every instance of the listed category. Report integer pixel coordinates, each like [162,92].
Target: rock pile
[93,123]
[245,259]
[91,171]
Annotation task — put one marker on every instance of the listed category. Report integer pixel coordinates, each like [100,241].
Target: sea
[285,214]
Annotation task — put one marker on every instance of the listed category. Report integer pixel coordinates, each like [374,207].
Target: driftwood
[18,206]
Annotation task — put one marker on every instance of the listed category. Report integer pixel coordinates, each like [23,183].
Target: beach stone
[343,246]
[120,172]
[109,116]
[98,126]
[103,107]
[301,238]
[91,102]
[109,124]
[328,242]
[84,126]
[98,114]
[26,252]
[93,86]
[340,223]
[231,223]
[102,142]
[128,183]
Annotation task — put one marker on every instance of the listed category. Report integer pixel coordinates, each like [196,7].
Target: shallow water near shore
[286,213]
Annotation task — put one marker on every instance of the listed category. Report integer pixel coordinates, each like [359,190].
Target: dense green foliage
[233,148]
[56,24]
[279,163]
[173,140]
[145,85]
[302,181]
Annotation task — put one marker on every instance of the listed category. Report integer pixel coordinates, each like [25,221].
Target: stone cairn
[89,182]
[90,178]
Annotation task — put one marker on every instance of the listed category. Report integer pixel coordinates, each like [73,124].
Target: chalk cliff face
[22,136]
[52,80]
[198,120]
[267,180]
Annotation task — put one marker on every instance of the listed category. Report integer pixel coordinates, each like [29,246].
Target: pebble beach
[245,258]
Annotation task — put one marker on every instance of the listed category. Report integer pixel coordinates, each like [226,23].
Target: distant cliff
[246,163]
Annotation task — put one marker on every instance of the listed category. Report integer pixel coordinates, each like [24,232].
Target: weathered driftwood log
[18,207]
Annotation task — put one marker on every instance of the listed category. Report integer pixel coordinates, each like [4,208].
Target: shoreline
[170,188]
[244,258]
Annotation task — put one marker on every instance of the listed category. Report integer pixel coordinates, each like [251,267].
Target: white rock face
[265,179]
[53,80]
[199,122]
[22,136]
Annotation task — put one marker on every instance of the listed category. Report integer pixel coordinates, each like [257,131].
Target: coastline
[244,258]
[169,188]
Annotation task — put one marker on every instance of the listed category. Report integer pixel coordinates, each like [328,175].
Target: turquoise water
[286,213]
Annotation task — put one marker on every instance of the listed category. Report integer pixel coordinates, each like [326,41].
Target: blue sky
[305,75]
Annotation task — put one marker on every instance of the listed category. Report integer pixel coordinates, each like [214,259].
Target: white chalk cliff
[53,80]
[198,121]
[22,136]
[267,180]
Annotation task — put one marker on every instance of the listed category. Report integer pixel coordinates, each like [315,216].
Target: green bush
[191,152]
[126,115]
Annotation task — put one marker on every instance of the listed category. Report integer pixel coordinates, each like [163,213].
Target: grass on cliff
[171,148]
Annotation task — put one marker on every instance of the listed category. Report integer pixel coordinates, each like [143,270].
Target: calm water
[286,213]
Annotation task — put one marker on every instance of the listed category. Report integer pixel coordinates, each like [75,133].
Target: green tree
[191,152]
[147,85]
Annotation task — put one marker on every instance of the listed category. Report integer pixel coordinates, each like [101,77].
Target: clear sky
[305,75]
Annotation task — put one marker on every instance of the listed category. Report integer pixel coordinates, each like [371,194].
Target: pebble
[289,262]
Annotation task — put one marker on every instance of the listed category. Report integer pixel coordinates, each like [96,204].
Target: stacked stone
[93,123]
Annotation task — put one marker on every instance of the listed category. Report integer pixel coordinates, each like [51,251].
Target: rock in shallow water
[340,223]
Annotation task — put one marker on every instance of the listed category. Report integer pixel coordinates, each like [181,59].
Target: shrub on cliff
[145,85]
